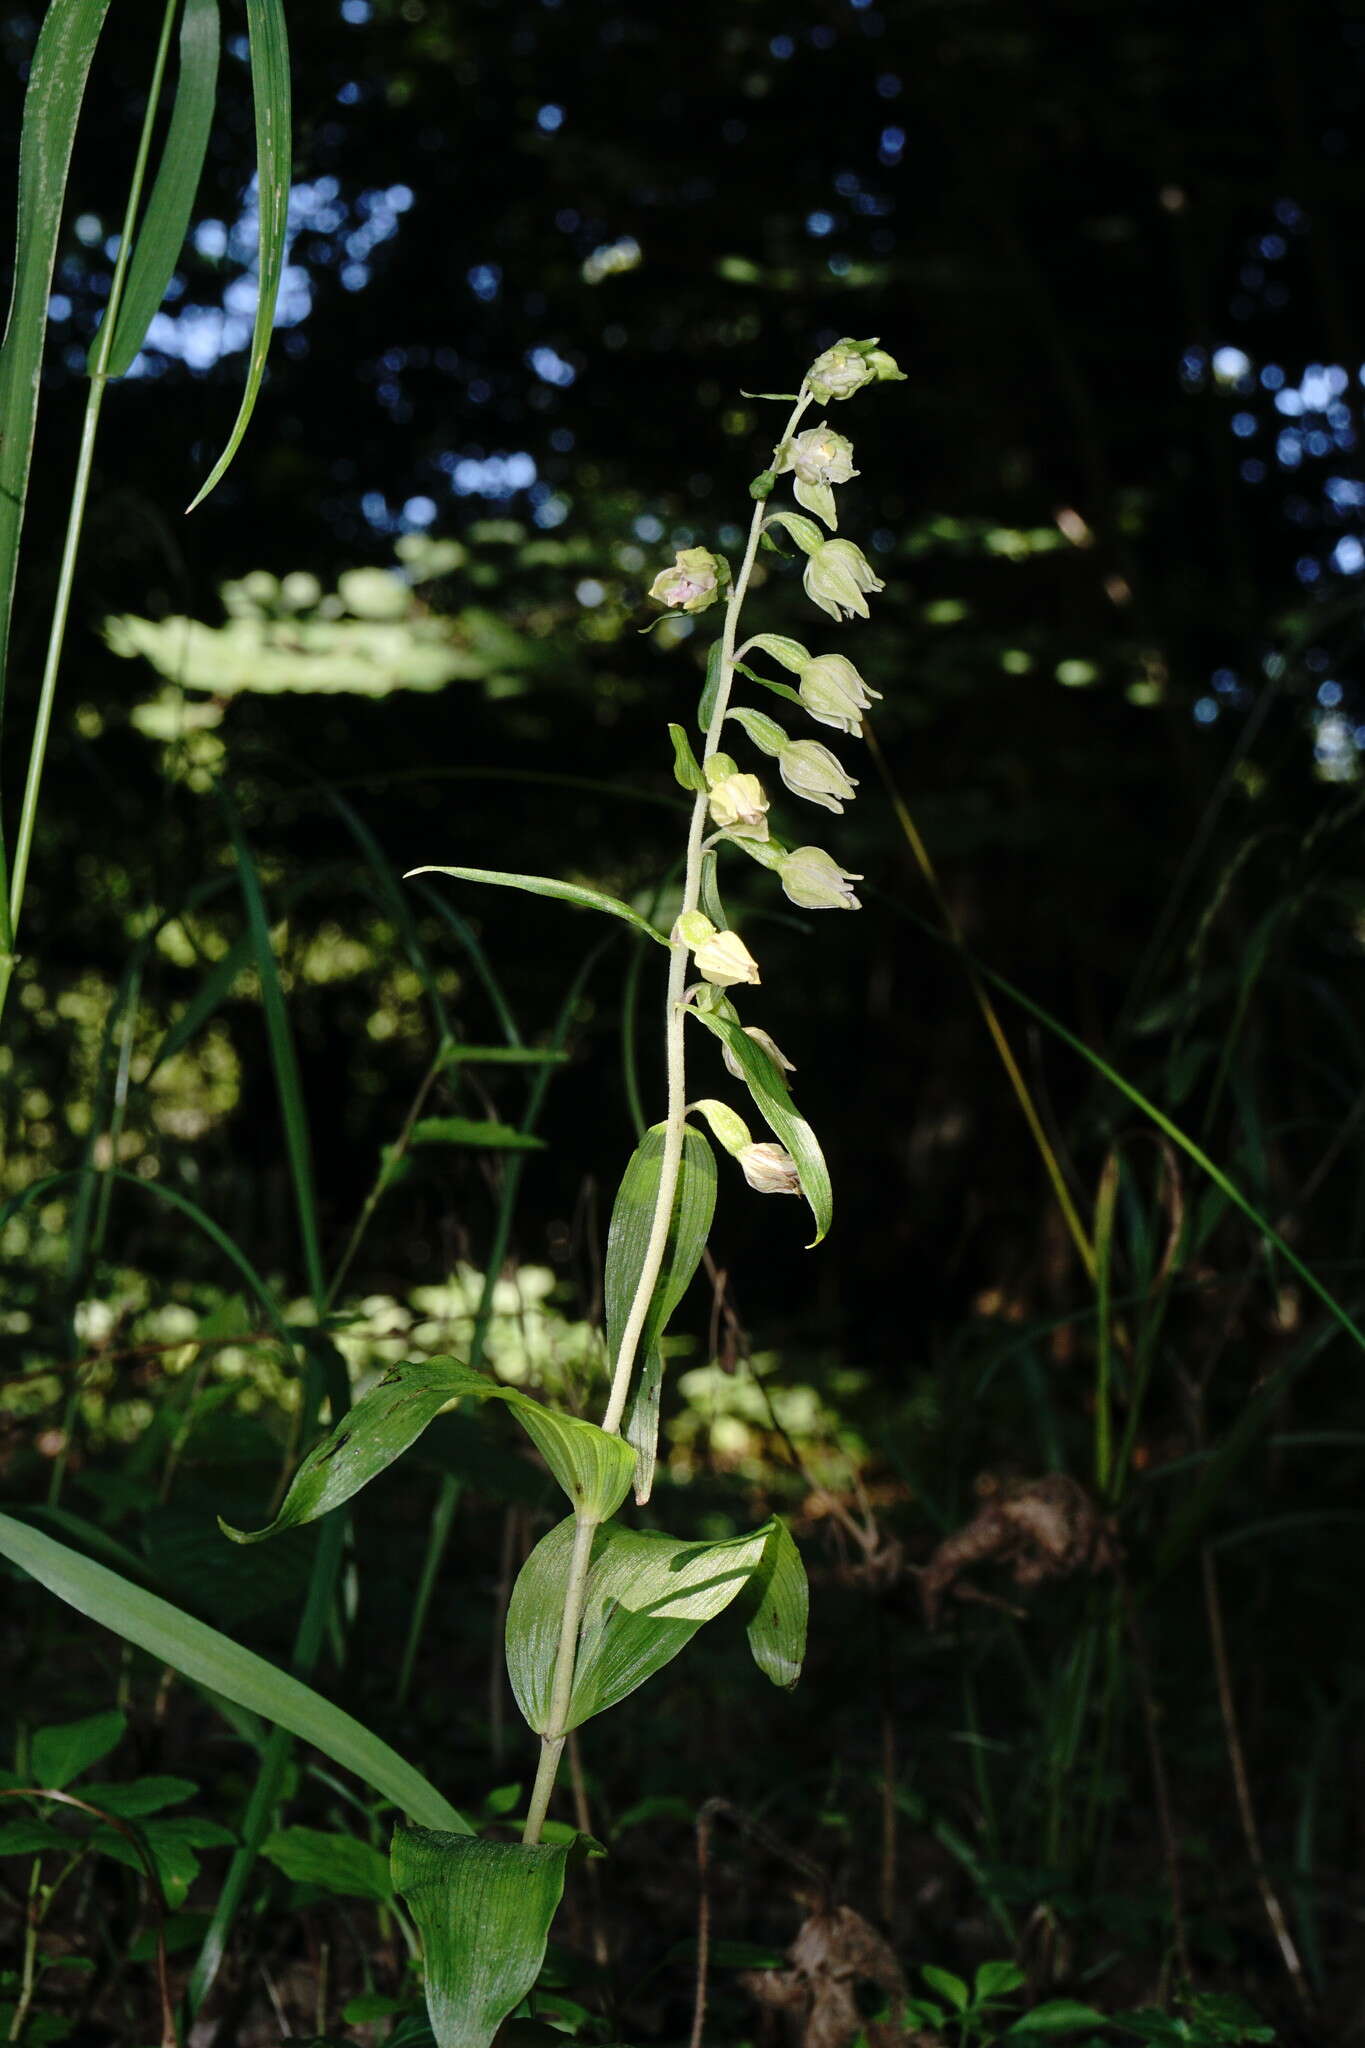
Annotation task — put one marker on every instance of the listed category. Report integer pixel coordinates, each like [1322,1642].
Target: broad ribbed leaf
[593,1468]
[647,1595]
[269,41]
[166,222]
[546,885]
[777,1626]
[214,1660]
[632,1219]
[483,1910]
[52,104]
[763,1078]
[60,1754]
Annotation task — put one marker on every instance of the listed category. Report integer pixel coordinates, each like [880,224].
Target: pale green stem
[575,1586]
[80,490]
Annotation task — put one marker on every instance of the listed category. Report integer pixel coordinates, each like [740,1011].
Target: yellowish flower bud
[848,366]
[770,1169]
[738,804]
[724,959]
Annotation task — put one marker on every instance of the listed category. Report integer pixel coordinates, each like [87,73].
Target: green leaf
[777,1626]
[632,1219]
[1057,2016]
[335,1862]
[60,1754]
[765,732]
[647,1595]
[996,1980]
[142,1796]
[706,709]
[686,771]
[269,39]
[166,222]
[783,690]
[454,1054]
[213,1660]
[483,1910]
[593,1468]
[52,104]
[31,1837]
[544,885]
[764,1080]
[790,653]
[947,1986]
[172,1845]
[483,1134]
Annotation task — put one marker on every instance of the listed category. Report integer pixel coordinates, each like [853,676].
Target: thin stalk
[1104,1331]
[575,1585]
[80,490]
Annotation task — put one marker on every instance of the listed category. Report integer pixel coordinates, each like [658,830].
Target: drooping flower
[810,770]
[770,1170]
[848,366]
[695,581]
[814,879]
[833,692]
[836,575]
[738,804]
[769,1045]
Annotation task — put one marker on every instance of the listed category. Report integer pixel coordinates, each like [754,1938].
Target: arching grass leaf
[52,105]
[214,1660]
[167,219]
[483,1910]
[546,885]
[593,1468]
[647,1595]
[269,40]
[764,1081]
[632,1219]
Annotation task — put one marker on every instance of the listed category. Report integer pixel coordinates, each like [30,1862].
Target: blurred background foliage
[540,253]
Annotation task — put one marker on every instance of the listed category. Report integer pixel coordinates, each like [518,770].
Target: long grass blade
[269,39]
[167,219]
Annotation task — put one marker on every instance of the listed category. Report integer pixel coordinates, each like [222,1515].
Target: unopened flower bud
[696,579]
[834,693]
[814,879]
[725,959]
[818,458]
[770,1169]
[836,575]
[738,804]
[848,366]
[769,1044]
[811,771]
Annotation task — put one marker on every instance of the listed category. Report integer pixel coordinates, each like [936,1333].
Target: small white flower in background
[738,804]
[770,1170]
[834,693]
[814,879]
[769,1044]
[848,366]
[811,771]
[836,575]
[818,458]
[696,579]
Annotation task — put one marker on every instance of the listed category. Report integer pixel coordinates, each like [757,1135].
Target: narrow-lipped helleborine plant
[598,1607]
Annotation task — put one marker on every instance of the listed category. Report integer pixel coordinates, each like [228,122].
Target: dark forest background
[540,255]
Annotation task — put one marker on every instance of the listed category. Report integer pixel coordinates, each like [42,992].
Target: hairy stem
[575,1586]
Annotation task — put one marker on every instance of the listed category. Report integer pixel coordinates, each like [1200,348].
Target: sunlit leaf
[593,1468]
[52,104]
[269,42]
[215,1661]
[166,221]
[632,1219]
[647,1595]
[483,1910]
[545,885]
[777,1626]
[764,1080]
